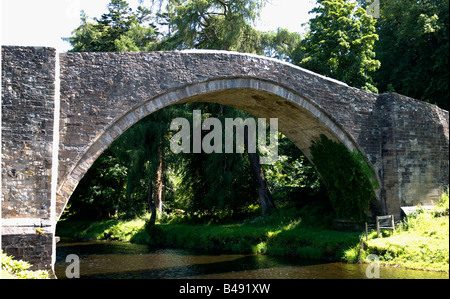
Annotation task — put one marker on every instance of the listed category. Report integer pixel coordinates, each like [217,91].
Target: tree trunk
[151,204]
[159,183]
[263,191]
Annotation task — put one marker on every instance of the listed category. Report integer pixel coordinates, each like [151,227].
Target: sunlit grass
[281,233]
[420,242]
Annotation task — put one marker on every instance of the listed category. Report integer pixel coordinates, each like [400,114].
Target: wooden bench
[385,222]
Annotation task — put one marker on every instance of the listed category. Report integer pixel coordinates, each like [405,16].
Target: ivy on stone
[347,177]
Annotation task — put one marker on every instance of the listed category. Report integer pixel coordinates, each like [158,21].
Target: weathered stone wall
[28,93]
[99,89]
[28,81]
[34,248]
[415,151]
[104,93]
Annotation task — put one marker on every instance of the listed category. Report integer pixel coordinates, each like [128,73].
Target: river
[118,260]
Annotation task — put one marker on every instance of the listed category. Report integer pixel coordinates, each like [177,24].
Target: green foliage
[347,176]
[442,206]
[19,269]
[112,229]
[154,234]
[421,241]
[292,177]
[414,48]
[352,255]
[101,192]
[216,182]
[142,148]
[340,43]
[120,29]
[283,45]
[212,24]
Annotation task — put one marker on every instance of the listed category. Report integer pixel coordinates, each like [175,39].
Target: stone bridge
[61,111]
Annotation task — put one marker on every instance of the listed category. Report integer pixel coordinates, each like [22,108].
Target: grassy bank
[284,232]
[420,242]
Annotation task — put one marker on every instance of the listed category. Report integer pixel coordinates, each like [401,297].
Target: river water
[118,260]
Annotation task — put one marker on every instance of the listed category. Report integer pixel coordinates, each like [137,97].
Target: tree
[119,30]
[100,194]
[140,148]
[265,197]
[220,25]
[217,182]
[340,43]
[348,177]
[283,45]
[213,24]
[414,49]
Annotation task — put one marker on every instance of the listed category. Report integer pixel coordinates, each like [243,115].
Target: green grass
[293,241]
[281,233]
[421,242]
[423,246]
[122,230]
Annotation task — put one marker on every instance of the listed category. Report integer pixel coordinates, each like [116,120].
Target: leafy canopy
[340,43]
[414,49]
[119,30]
[212,24]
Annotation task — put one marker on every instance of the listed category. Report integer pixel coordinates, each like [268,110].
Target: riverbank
[282,233]
[420,242]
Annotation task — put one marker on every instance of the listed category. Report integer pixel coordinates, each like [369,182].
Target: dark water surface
[118,260]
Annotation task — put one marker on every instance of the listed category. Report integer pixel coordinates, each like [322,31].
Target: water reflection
[132,261]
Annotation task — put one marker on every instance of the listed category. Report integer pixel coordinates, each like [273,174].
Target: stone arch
[80,102]
[300,118]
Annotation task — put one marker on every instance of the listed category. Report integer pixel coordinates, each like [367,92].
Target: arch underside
[299,119]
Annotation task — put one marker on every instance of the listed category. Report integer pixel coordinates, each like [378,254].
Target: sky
[45,22]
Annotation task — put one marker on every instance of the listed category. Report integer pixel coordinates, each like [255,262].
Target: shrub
[347,176]
[442,206]
[155,234]
[20,268]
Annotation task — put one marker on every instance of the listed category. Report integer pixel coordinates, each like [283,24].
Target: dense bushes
[347,177]
[12,268]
